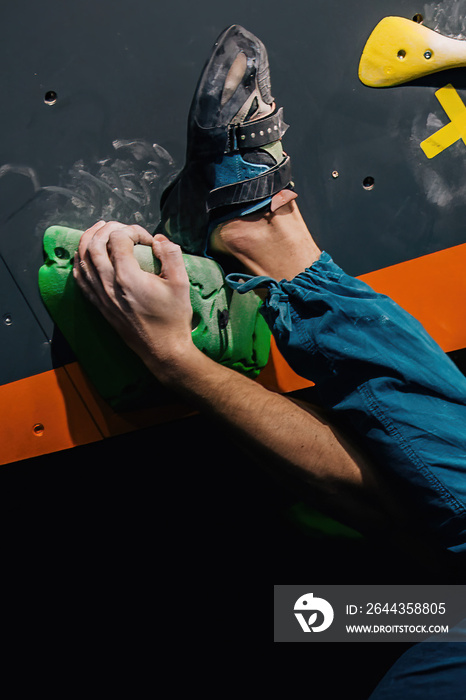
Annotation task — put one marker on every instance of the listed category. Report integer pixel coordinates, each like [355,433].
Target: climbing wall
[93,119]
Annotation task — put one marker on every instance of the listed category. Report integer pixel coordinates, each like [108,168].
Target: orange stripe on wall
[60,409]
[42,414]
[431,288]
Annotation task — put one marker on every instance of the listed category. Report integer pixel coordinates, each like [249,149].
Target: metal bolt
[428,54]
[335,174]
[7,319]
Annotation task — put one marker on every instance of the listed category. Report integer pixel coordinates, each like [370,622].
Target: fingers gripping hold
[170,256]
[94,264]
[152,312]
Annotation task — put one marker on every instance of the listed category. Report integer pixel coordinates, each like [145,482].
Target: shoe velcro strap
[255,188]
[256,133]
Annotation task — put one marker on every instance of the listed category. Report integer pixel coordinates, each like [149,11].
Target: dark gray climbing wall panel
[123,75]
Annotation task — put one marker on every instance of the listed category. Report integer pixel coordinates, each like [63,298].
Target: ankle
[277,244]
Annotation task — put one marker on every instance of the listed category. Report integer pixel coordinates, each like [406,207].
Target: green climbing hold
[227,326]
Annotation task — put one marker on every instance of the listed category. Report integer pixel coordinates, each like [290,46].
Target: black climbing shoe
[234,159]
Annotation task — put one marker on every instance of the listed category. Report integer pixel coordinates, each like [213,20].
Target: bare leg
[277,244]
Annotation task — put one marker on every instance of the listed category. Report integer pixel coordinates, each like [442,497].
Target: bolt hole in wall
[62,253]
[38,429]
[50,97]
[418,18]
[368,182]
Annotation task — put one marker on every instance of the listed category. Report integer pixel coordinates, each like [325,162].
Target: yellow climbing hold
[399,50]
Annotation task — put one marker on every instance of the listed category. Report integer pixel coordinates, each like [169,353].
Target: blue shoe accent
[233,168]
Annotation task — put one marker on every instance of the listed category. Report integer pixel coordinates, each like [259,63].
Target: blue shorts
[386,380]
